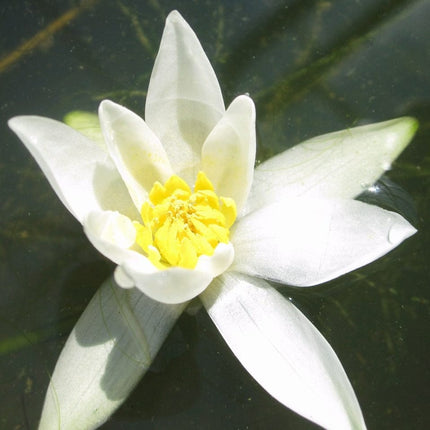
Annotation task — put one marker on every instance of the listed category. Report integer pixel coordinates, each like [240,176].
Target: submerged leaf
[86,123]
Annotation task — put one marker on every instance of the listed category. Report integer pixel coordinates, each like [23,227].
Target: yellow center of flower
[179,225]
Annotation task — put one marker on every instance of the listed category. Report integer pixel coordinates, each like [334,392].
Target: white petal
[305,242]
[108,351]
[176,284]
[283,351]
[340,165]
[81,173]
[228,154]
[184,100]
[122,279]
[113,235]
[138,154]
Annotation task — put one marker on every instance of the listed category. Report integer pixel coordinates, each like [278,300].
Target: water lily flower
[175,202]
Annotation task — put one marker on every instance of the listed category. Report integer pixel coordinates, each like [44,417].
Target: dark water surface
[311,67]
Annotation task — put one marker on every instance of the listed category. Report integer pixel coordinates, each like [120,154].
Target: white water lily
[293,220]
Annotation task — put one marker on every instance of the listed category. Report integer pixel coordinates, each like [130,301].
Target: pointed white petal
[138,154]
[108,351]
[306,242]
[81,173]
[176,284]
[283,351]
[340,165]
[228,154]
[184,100]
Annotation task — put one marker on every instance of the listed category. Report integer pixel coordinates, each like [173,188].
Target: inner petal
[180,225]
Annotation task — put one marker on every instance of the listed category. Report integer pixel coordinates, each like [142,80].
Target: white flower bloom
[175,202]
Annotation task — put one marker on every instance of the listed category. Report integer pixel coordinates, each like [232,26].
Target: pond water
[311,67]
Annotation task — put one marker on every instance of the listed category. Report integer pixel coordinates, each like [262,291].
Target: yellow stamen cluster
[179,225]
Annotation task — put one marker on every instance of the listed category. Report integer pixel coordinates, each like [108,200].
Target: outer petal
[228,154]
[184,100]
[80,172]
[305,242]
[113,235]
[138,154]
[340,165]
[108,351]
[283,351]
